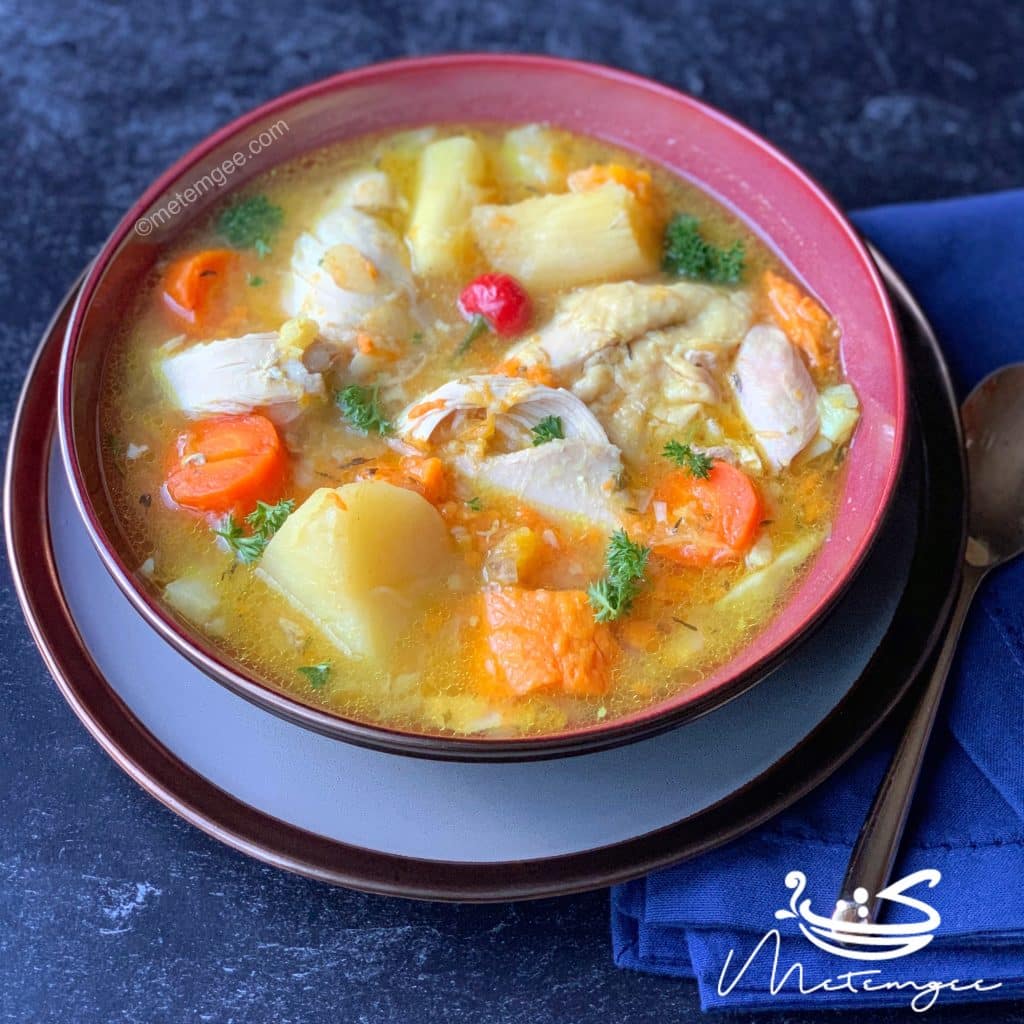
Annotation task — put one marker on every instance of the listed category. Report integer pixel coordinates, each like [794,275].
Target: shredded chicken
[592,319]
[235,375]
[776,395]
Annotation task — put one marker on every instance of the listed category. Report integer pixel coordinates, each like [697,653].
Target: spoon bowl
[993,420]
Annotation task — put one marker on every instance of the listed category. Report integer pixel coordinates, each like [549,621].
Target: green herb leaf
[625,566]
[687,254]
[270,518]
[549,429]
[317,674]
[264,521]
[248,547]
[686,457]
[251,223]
[477,326]
[475,505]
[254,280]
[361,407]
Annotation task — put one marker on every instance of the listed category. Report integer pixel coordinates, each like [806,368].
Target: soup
[475,430]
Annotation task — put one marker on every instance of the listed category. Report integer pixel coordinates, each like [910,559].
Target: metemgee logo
[859,939]
[863,939]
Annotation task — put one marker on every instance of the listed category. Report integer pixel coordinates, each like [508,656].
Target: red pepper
[496,302]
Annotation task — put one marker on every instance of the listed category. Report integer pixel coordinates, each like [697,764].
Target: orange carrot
[545,640]
[227,464]
[730,512]
[425,475]
[192,282]
[536,373]
[802,320]
[596,175]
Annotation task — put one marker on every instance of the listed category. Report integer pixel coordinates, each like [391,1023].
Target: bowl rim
[656,718]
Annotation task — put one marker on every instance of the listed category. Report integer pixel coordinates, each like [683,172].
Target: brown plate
[906,647]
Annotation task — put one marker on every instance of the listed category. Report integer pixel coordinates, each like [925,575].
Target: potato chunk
[362,561]
[569,239]
[452,180]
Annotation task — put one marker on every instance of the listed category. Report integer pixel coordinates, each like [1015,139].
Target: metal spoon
[993,421]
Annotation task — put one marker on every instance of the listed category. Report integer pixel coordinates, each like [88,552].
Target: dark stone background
[111,909]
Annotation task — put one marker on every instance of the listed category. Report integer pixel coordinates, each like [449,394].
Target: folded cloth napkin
[963,259]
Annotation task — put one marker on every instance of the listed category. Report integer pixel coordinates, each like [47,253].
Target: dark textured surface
[111,909]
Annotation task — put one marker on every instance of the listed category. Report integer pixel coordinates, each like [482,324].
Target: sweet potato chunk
[546,640]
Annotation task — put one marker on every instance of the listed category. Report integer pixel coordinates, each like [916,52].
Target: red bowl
[777,199]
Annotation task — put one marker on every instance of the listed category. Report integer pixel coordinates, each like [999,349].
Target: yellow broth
[431,680]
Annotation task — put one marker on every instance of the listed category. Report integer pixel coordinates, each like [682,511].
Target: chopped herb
[477,326]
[417,337]
[264,521]
[625,565]
[254,280]
[687,457]
[549,429]
[602,712]
[251,223]
[687,254]
[317,674]
[683,622]
[475,505]
[361,407]
[270,518]
[145,500]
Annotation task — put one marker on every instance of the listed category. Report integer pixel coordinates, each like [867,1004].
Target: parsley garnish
[687,457]
[254,280]
[317,674]
[251,223]
[549,429]
[360,406]
[686,254]
[625,565]
[475,505]
[264,521]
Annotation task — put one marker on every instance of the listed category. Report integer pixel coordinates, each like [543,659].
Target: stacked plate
[449,830]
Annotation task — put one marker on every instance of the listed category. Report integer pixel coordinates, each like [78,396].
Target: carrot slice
[192,283]
[800,318]
[227,464]
[729,513]
[545,640]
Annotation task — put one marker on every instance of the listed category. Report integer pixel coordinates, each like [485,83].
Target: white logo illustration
[862,940]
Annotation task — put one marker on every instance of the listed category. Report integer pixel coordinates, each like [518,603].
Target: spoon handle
[879,839]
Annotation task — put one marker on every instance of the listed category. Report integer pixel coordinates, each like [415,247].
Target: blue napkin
[964,260]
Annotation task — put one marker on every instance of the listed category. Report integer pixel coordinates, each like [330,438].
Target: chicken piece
[507,407]
[572,479]
[236,375]
[648,391]
[776,395]
[592,319]
[351,275]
